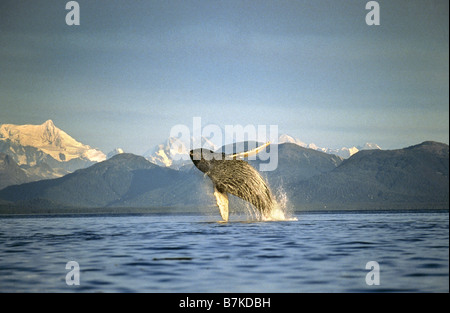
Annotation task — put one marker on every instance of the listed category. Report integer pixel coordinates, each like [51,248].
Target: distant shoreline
[11,210]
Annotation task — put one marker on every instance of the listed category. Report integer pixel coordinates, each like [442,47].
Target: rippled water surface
[193,253]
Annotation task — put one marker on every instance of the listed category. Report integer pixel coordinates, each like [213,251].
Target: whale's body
[236,177]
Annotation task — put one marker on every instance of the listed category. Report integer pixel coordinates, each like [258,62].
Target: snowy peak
[342,152]
[174,153]
[50,134]
[369,146]
[50,140]
[114,152]
[289,139]
[32,135]
[171,153]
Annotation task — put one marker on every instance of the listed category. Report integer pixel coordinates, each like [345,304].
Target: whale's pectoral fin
[246,154]
[222,202]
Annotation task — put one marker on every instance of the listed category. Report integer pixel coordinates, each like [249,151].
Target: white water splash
[280,210]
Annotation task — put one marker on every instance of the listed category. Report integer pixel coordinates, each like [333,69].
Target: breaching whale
[230,175]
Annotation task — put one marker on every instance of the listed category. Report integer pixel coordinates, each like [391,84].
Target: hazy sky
[134,69]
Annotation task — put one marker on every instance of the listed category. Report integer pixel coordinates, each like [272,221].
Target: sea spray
[279,211]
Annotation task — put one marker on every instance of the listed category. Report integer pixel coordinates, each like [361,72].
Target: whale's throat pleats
[222,203]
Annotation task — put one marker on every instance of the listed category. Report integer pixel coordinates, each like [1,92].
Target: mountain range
[413,176]
[416,176]
[174,153]
[343,152]
[45,151]
[43,167]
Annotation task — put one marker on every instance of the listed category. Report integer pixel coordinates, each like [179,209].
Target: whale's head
[202,159]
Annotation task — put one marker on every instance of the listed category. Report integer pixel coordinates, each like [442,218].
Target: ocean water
[319,252]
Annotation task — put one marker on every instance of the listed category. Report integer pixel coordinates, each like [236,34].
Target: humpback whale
[231,175]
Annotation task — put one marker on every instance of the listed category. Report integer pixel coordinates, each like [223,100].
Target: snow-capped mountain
[289,139]
[343,152]
[174,153]
[114,152]
[168,153]
[38,147]
[50,140]
[369,146]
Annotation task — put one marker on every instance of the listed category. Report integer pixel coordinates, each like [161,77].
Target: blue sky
[134,69]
